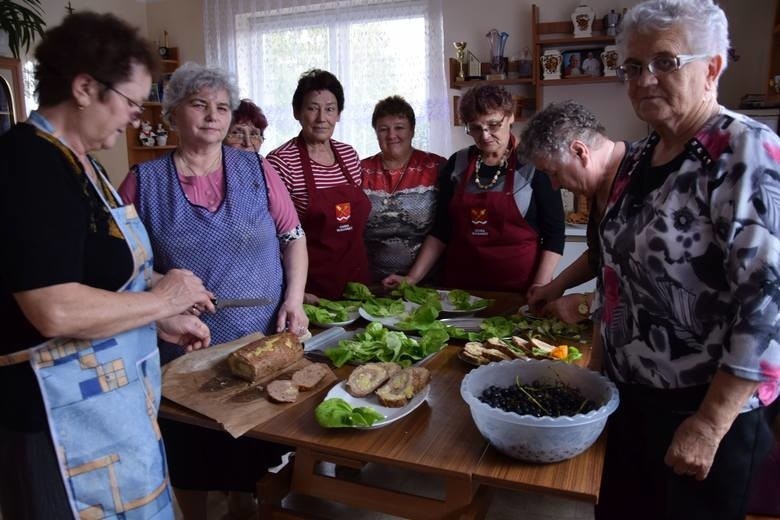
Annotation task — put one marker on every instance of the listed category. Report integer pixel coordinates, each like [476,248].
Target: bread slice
[309,376]
[282,391]
[403,386]
[266,356]
[502,346]
[367,378]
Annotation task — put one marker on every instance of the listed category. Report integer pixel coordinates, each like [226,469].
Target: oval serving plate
[371,401]
[389,321]
[449,308]
[351,318]
[467,324]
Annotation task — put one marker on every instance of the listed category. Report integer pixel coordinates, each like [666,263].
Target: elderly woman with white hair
[214,209]
[688,293]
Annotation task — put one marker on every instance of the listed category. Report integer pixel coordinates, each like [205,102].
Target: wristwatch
[584,308]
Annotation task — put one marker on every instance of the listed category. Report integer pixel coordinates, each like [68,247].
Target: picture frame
[572,64]
[591,63]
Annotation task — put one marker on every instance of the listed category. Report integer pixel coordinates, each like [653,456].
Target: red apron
[492,247]
[334,223]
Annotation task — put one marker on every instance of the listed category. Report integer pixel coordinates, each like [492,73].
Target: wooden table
[438,439]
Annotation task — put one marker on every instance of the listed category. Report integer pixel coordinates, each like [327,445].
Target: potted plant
[22,21]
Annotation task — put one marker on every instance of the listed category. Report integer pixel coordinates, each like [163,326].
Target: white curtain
[376,48]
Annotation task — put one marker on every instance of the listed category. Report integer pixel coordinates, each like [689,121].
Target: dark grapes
[538,399]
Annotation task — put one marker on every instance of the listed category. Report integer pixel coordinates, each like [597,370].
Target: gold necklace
[192,170]
[494,180]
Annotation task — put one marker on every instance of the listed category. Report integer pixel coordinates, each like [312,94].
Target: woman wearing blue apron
[79,372]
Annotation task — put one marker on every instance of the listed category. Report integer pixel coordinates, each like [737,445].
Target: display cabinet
[136,152]
[773,70]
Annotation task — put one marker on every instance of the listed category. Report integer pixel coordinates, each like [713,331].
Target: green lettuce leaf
[461,300]
[357,291]
[337,413]
[384,307]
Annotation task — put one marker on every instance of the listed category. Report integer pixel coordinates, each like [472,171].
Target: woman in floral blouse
[690,282]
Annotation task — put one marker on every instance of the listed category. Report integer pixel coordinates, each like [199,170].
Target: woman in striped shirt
[323,177]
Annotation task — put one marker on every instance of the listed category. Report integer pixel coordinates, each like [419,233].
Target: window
[375,48]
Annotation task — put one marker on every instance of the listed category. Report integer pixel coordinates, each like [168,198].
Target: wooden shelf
[578,80]
[560,36]
[471,82]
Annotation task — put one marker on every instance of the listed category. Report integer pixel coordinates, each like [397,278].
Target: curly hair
[189,79]
[248,112]
[483,99]
[393,106]
[551,131]
[100,45]
[703,23]
[314,80]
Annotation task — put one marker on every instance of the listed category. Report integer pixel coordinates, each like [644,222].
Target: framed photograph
[572,64]
[591,63]
[154,95]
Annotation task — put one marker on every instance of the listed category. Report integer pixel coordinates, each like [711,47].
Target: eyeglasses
[490,127]
[139,108]
[240,135]
[659,65]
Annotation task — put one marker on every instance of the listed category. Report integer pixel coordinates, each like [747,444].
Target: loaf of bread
[266,356]
[404,385]
[367,378]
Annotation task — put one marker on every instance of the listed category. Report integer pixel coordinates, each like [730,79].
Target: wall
[750,24]
[134,12]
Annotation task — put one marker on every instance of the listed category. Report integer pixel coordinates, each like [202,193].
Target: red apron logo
[479,220]
[343,212]
[479,216]
[343,216]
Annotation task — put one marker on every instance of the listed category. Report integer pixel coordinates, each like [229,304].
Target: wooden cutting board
[201,381]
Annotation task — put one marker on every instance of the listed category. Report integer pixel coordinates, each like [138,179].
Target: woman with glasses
[79,368]
[214,210]
[499,223]
[688,293]
[246,130]
[323,177]
[401,183]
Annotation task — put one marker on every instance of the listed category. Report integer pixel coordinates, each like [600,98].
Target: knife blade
[222,303]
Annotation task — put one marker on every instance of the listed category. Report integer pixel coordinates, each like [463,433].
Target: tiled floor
[506,505]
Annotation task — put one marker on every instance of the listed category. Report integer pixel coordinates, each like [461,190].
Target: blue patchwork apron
[101,398]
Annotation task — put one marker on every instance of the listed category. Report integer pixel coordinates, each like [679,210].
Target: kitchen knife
[221,303]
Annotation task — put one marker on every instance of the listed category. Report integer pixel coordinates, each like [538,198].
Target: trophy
[461,46]
[497,43]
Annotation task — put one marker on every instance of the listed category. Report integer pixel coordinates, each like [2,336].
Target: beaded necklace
[494,180]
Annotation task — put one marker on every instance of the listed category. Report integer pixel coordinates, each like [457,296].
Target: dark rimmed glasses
[663,64]
[490,127]
[138,107]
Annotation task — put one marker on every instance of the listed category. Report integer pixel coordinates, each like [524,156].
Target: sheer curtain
[376,48]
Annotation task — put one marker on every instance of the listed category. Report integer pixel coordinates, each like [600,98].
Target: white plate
[371,401]
[449,308]
[351,318]
[389,321]
[467,324]
[329,339]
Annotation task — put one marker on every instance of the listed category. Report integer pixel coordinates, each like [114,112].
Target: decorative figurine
[161,135]
[461,46]
[610,60]
[582,18]
[526,65]
[611,22]
[551,64]
[146,135]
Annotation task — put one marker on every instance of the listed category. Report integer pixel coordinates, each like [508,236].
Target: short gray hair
[703,24]
[189,79]
[551,131]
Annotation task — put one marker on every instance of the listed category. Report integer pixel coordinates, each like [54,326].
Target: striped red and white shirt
[287,161]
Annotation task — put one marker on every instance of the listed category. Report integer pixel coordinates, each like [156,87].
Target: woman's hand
[182,291]
[693,448]
[539,295]
[566,308]
[394,280]
[292,318]
[185,330]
